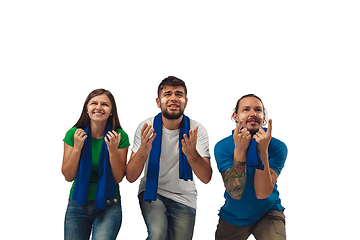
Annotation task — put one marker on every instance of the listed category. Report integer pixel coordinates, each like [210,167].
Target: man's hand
[146,138]
[263,138]
[189,144]
[242,138]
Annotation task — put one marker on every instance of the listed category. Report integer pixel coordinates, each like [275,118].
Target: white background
[300,57]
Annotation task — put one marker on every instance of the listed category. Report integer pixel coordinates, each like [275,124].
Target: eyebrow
[175,92]
[257,107]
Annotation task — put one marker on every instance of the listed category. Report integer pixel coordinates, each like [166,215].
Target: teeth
[99,114]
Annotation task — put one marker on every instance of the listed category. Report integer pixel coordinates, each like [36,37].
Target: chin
[172,116]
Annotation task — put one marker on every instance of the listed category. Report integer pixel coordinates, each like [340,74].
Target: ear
[158,102]
[186,101]
[235,117]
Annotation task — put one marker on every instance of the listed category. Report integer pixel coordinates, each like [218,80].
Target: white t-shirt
[170,185]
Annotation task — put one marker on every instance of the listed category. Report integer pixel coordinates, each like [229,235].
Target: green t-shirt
[96,145]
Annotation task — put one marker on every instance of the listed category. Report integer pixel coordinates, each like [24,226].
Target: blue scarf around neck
[152,177]
[253,158]
[106,187]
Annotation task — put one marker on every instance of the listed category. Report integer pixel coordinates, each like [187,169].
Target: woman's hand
[79,138]
[112,140]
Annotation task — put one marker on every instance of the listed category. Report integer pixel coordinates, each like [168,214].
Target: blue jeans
[166,219]
[105,223]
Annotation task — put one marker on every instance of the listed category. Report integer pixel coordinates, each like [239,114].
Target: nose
[98,106]
[252,112]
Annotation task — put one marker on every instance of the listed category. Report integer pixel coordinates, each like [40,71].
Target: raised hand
[146,138]
[189,143]
[242,137]
[79,138]
[112,140]
[263,138]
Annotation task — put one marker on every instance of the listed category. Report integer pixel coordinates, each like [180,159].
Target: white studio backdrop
[300,57]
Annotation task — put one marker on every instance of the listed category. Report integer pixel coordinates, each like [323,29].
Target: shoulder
[277,147]
[124,139]
[224,153]
[149,121]
[69,136]
[277,155]
[201,131]
[225,145]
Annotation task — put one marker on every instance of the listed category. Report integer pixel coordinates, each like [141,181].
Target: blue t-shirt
[249,209]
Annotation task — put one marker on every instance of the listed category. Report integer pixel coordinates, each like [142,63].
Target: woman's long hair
[113,119]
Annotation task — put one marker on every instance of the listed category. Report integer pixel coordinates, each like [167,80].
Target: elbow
[206,178]
[236,196]
[262,195]
[130,178]
[68,179]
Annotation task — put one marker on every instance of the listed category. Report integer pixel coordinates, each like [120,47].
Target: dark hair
[250,95]
[113,119]
[171,81]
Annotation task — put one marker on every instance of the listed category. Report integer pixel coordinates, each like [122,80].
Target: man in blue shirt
[252,203]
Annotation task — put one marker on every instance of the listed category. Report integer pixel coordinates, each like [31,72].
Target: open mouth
[98,113]
[252,121]
[173,107]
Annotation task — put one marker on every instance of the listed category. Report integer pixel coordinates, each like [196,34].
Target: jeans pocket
[278,220]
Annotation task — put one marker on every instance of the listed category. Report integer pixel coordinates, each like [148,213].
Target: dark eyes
[103,104]
[256,110]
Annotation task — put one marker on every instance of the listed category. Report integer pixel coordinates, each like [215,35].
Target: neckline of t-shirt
[170,132]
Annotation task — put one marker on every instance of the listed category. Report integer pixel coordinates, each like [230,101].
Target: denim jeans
[80,220]
[166,219]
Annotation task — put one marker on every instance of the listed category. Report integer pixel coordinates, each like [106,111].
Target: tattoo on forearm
[235,179]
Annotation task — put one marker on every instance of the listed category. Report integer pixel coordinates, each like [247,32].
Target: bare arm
[137,160]
[264,181]
[200,166]
[117,157]
[235,178]
[71,157]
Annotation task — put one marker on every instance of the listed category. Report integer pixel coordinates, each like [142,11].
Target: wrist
[240,155]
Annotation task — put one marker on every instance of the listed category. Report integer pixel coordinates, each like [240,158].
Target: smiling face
[172,102]
[251,112]
[99,108]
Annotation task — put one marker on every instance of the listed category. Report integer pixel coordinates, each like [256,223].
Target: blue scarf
[253,158]
[106,188]
[185,171]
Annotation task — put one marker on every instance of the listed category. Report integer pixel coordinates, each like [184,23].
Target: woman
[95,153]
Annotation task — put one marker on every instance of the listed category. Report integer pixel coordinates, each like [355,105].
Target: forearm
[235,178]
[201,167]
[118,164]
[71,165]
[264,181]
[136,165]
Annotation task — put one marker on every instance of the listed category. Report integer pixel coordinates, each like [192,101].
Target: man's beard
[169,116]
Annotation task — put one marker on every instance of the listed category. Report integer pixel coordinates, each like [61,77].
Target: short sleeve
[124,140]
[69,137]
[202,145]
[224,154]
[277,155]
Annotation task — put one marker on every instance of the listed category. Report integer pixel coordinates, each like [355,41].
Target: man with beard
[169,147]
[250,161]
